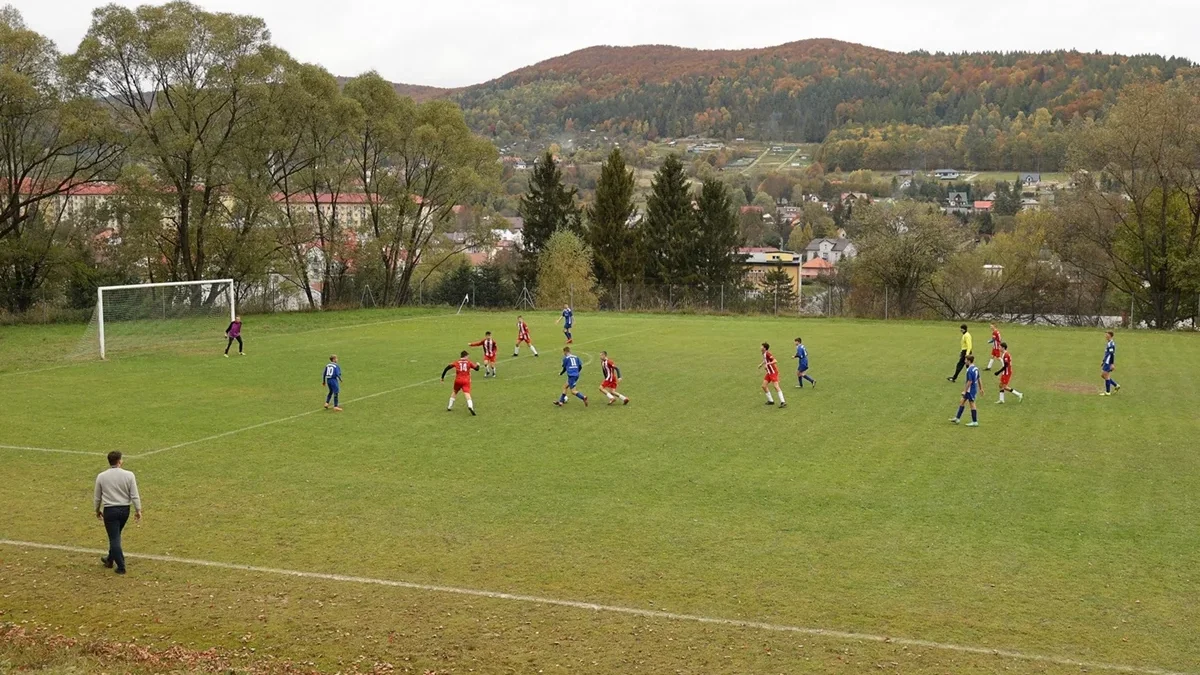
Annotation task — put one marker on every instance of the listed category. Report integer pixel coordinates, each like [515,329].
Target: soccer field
[695,530]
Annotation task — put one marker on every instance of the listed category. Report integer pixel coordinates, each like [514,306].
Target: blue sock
[579,395]
[1108,385]
[328,397]
[960,412]
[568,335]
[801,381]
[974,415]
[562,399]
[335,400]
[810,379]
[1114,383]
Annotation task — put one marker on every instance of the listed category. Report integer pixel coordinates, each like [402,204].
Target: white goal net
[145,316]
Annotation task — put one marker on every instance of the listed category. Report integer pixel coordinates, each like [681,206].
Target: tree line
[222,157]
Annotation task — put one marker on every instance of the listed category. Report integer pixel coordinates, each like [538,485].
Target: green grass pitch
[1066,526]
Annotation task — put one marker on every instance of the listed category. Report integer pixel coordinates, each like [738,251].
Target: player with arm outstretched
[331,378]
[802,366]
[995,342]
[462,380]
[612,377]
[973,390]
[523,336]
[571,367]
[771,366]
[568,319]
[1108,365]
[489,353]
[1005,374]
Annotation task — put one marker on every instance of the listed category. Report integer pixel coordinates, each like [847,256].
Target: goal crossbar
[165,284]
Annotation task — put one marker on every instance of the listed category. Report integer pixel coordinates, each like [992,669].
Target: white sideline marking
[847,636]
[306,413]
[64,452]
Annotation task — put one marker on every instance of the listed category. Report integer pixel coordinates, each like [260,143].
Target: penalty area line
[844,636]
[53,450]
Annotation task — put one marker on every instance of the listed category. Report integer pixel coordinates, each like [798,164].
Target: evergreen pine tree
[717,240]
[613,240]
[547,207]
[669,227]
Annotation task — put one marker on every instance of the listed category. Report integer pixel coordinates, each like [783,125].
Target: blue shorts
[334,387]
[571,380]
[1107,367]
[803,366]
[969,396]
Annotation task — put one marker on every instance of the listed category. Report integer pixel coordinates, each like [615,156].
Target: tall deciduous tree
[902,246]
[565,273]
[547,207]
[715,251]
[610,233]
[190,85]
[669,229]
[1141,231]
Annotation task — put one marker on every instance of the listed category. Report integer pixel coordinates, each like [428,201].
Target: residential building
[760,262]
[817,268]
[983,206]
[947,174]
[830,250]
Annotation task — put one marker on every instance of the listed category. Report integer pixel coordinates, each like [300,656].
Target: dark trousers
[115,518]
[230,343]
[962,362]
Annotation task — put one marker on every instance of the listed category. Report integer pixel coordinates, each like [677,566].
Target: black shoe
[783,405]
[122,572]
[770,402]
[951,379]
[106,562]
[472,411]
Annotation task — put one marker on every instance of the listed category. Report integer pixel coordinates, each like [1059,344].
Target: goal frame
[165,284]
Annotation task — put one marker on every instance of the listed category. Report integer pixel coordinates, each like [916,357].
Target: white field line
[64,452]
[847,636]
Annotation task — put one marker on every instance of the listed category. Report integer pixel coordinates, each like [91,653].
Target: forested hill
[798,91]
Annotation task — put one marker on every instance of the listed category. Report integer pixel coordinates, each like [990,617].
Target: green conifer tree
[609,232]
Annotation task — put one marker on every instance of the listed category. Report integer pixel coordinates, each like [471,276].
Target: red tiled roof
[818,264]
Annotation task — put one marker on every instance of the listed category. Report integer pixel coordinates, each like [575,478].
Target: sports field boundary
[844,636]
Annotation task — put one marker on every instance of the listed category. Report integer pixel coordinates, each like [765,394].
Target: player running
[612,376]
[489,354]
[1108,365]
[462,380]
[523,336]
[772,376]
[802,367]
[973,390]
[995,342]
[331,378]
[571,367]
[1005,374]
[568,319]
[234,332]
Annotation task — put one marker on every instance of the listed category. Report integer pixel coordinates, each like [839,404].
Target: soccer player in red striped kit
[772,376]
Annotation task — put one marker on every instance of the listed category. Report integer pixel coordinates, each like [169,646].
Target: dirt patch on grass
[1073,388]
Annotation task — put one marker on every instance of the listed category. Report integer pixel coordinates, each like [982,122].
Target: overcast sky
[458,42]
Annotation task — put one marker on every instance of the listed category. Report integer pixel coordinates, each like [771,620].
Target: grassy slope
[1066,525]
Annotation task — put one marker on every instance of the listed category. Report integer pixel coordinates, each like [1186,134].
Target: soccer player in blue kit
[802,367]
[568,319]
[973,390]
[1108,365]
[571,366]
[331,377]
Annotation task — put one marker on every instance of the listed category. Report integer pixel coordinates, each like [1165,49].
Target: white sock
[610,396]
[781,396]
[470,404]
[516,350]
[1002,397]
[769,399]
[989,367]
[533,350]
[1019,394]
[451,403]
[622,397]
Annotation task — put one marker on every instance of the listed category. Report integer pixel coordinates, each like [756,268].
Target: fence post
[671,296]
[885,303]
[777,301]
[722,297]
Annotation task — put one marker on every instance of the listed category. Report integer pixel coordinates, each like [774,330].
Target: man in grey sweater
[116,491]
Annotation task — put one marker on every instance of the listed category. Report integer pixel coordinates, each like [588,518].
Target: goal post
[145,315]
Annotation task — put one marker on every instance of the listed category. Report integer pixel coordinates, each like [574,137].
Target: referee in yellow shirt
[962,356]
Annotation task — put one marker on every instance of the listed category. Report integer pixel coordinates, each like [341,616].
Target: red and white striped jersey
[522,330]
[772,366]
